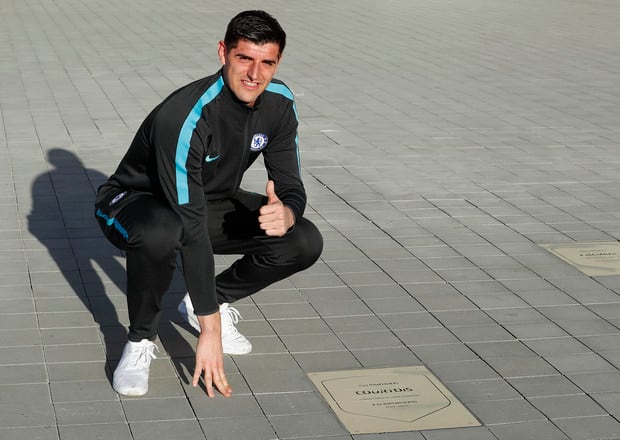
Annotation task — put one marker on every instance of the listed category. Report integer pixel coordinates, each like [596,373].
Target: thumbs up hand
[272,198]
[275,218]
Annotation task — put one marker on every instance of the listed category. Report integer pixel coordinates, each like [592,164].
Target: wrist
[210,324]
[290,217]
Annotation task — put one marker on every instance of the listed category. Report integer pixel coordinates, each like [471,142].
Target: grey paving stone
[371,278]
[62,336]
[509,367]
[445,302]
[500,349]
[393,305]
[25,405]
[445,353]
[85,391]
[13,292]
[63,304]
[24,374]
[267,345]
[235,406]
[609,401]
[459,318]
[327,361]
[426,336]
[147,409]
[386,357]
[473,433]
[580,363]
[483,390]
[568,313]
[556,407]
[482,333]
[118,431]
[504,411]
[556,346]
[38,433]
[313,325]
[487,301]
[288,311]
[370,340]
[277,297]
[312,343]
[177,429]
[66,319]
[607,311]
[330,308]
[547,298]
[82,413]
[242,428]
[541,330]
[266,362]
[582,428]
[350,324]
[383,292]
[72,371]
[589,327]
[528,431]
[19,305]
[292,404]
[74,353]
[602,342]
[281,382]
[310,425]
[613,357]
[541,386]
[45,290]
[23,337]
[21,355]
[597,382]
[463,370]
[317,280]
[338,294]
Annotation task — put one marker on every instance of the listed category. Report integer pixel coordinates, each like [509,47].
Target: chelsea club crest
[259,141]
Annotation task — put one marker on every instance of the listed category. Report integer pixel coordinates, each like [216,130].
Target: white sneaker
[233,342]
[131,377]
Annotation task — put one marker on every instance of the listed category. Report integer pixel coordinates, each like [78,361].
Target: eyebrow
[248,57]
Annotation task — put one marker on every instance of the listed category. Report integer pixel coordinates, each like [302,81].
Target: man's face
[248,68]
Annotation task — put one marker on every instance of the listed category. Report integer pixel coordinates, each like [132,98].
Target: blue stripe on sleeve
[281,89]
[185,136]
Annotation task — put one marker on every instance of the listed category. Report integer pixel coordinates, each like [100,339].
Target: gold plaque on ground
[391,400]
[595,259]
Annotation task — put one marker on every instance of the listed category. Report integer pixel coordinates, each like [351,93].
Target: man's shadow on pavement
[62,220]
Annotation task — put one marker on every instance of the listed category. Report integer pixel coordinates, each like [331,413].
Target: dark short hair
[256,26]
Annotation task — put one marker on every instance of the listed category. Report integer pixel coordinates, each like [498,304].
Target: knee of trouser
[307,244]
[161,235]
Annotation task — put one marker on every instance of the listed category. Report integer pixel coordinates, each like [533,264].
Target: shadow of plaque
[391,400]
[595,259]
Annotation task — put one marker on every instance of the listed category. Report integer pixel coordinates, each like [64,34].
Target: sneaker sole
[237,352]
[129,393]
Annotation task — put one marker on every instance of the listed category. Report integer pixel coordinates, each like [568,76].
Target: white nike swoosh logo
[211,158]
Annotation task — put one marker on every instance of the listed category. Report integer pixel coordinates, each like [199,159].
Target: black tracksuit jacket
[194,147]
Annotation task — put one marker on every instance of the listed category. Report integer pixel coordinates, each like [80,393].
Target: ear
[221,52]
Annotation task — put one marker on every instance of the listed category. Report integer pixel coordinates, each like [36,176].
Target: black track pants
[149,232]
